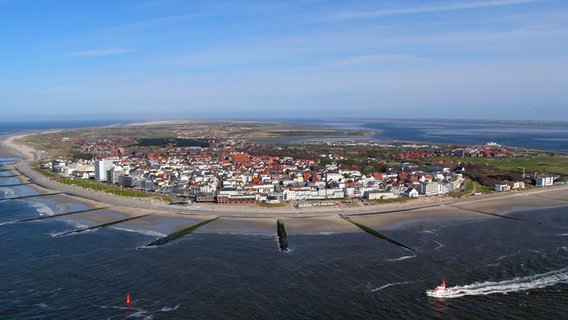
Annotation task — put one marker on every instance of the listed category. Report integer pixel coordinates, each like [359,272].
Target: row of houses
[241,178]
[539,181]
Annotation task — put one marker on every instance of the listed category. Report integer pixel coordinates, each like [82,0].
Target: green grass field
[103,187]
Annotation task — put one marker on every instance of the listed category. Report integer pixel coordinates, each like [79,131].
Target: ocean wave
[141,231]
[138,310]
[168,309]
[75,224]
[401,258]
[41,208]
[6,192]
[440,245]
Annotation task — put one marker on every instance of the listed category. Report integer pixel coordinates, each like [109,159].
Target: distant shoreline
[305,220]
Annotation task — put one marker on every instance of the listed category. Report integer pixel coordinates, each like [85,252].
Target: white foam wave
[6,192]
[75,224]
[389,285]
[141,231]
[142,313]
[440,245]
[517,284]
[42,208]
[401,258]
[168,309]
[71,232]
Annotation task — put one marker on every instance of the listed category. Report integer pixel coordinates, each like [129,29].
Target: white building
[431,188]
[502,187]
[411,192]
[379,195]
[101,168]
[332,176]
[543,181]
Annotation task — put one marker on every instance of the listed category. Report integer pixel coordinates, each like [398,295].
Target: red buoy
[127,298]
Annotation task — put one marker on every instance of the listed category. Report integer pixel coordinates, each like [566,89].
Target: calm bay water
[504,269]
[550,136]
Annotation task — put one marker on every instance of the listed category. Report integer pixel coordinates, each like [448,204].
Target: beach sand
[254,219]
[9,147]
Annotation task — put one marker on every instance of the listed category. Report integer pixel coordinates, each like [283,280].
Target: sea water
[502,268]
[550,136]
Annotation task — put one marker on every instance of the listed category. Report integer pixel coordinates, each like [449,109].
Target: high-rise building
[101,168]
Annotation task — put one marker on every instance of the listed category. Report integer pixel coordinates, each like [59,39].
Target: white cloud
[427,9]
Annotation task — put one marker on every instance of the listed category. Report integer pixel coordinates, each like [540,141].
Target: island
[308,178]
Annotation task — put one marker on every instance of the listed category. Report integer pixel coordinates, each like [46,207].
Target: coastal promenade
[380,215]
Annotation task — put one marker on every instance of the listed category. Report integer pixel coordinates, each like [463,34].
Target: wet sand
[256,219]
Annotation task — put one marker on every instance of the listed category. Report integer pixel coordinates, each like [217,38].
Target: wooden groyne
[282,236]
[30,196]
[377,234]
[14,185]
[49,217]
[500,215]
[102,225]
[12,176]
[178,234]
[61,214]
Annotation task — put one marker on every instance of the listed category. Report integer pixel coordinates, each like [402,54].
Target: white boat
[440,291]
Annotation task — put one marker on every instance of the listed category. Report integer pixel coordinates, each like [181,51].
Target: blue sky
[170,59]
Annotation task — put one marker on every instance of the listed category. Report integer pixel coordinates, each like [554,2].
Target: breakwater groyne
[282,236]
[179,234]
[376,233]
[102,225]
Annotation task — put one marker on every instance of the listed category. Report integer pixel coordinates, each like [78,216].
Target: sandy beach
[251,218]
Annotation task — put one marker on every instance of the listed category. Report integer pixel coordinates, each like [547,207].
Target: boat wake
[389,285]
[537,281]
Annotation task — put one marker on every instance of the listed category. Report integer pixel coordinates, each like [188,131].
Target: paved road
[38,179]
[253,211]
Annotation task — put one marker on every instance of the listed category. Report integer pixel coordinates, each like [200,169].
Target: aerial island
[313,177]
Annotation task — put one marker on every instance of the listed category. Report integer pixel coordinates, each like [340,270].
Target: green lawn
[271,205]
[104,187]
[547,163]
